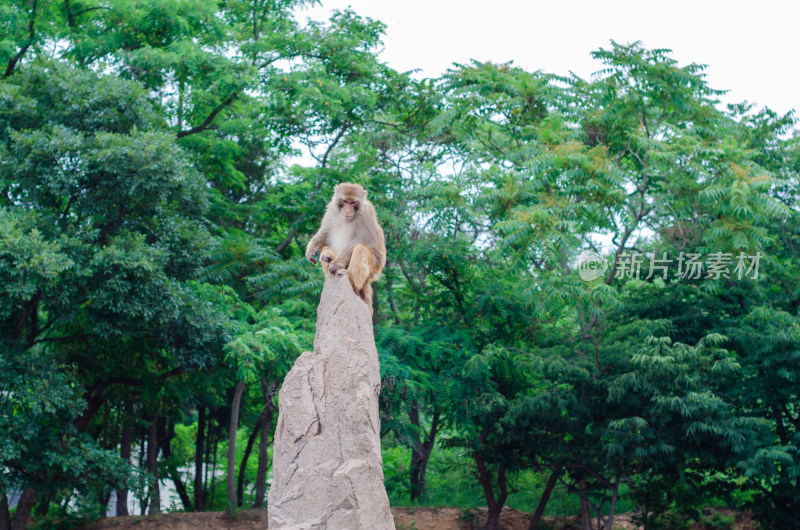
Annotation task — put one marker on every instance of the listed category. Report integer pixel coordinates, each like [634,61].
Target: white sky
[751,48]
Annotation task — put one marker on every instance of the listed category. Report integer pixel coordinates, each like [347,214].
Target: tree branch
[31,33]
[30,309]
[70,18]
[285,242]
[203,126]
[83,12]
[324,161]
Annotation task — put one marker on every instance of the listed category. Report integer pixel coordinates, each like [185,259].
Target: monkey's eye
[341,203]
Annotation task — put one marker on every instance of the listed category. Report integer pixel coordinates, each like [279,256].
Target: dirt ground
[405,519]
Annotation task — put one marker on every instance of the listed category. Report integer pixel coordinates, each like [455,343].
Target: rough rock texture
[327,454]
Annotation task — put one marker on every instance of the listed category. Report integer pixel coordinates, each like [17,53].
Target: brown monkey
[350,240]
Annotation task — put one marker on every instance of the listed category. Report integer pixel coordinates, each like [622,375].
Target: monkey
[350,240]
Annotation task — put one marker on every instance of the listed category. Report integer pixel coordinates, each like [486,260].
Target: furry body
[350,240]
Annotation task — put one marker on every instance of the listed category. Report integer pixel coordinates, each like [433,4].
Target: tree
[105,203]
[269,344]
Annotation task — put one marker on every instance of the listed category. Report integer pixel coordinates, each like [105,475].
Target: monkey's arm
[342,260]
[319,240]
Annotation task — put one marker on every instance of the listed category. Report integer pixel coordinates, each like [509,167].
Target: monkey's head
[348,198]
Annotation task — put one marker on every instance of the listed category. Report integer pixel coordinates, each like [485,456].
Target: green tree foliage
[152,228]
[100,240]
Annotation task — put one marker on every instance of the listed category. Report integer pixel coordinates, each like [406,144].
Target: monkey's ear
[364,196]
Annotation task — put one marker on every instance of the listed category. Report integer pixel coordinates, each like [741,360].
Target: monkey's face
[348,208]
[347,197]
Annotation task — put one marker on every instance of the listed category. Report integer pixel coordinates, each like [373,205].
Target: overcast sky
[751,48]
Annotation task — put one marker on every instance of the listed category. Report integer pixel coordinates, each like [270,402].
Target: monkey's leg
[362,263]
[326,256]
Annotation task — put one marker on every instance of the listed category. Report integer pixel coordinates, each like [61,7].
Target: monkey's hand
[310,256]
[326,256]
[336,267]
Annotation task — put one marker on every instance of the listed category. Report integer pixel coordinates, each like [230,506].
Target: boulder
[326,460]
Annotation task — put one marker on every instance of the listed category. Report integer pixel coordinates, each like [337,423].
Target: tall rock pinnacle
[327,454]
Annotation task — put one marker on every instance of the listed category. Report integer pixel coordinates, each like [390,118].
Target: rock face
[327,454]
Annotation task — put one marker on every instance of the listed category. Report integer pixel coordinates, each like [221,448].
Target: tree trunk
[152,465]
[237,398]
[125,454]
[421,451]
[265,415]
[43,507]
[103,501]
[586,517]
[374,305]
[144,501]
[263,444]
[5,517]
[548,489]
[199,445]
[166,432]
[213,445]
[24,507]
[614,497]
[416,441]
[495,505]
[251,440]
